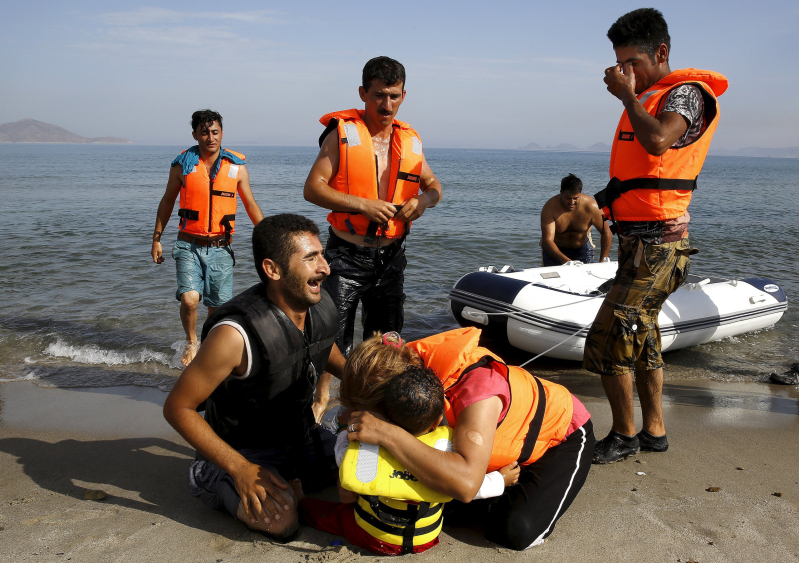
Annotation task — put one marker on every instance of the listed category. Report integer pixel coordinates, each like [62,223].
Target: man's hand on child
[510,473]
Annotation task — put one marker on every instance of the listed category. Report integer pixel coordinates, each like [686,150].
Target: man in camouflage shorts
[659,149]
[625,336]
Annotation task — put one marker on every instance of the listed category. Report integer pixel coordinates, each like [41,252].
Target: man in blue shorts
[207,177]
[566,220]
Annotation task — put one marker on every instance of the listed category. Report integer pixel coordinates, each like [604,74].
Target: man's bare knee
[190,299]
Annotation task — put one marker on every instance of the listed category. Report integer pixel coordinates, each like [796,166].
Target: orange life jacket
[531,426]
[644,187]
[208,207]
[357,170]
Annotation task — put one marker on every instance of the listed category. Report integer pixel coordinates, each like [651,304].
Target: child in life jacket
[413,400]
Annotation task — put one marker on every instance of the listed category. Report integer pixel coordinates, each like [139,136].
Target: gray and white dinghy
[549,310]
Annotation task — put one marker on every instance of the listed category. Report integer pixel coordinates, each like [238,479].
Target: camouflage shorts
[625,336]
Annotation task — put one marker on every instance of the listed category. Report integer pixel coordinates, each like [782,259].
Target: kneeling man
[565,223]
[257,375]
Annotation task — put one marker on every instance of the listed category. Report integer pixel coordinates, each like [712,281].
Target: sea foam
[94,355]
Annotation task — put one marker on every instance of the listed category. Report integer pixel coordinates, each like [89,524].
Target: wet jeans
[375,277]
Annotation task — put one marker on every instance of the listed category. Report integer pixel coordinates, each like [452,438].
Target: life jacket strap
[226,223]
[190,214]
[331,126]
[187,215]
[371,233]
[616,187]
[535,424]
[407,531]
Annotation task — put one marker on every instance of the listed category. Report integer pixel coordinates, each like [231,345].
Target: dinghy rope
[510,313]
[556,345]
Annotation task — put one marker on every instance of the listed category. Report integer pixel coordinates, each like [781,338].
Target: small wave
[94,355]
[176,362]
[30,375]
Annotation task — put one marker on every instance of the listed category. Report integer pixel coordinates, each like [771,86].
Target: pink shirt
[485,382]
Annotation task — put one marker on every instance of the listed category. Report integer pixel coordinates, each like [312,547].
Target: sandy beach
[740,437]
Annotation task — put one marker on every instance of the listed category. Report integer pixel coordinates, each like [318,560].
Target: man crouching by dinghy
[500,414]
[660,146]
[566,222]
[257,373]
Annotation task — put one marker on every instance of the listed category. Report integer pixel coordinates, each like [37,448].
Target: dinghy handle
[697,285]
[474,315]
[757,299]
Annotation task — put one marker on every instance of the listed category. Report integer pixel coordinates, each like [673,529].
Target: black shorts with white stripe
[526,513]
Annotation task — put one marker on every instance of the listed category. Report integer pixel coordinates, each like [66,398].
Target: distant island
[565,147]
[32,131]
[763,152]
[787,152]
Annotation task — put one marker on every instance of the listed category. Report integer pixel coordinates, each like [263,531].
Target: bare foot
[189,351]
[296,485]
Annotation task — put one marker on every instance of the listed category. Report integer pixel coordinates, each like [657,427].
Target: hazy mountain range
[596,147]
[32,131]
[786,152]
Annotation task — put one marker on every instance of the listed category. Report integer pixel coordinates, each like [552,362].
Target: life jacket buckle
[612,192]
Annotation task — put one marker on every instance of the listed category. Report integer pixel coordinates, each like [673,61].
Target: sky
[479,74]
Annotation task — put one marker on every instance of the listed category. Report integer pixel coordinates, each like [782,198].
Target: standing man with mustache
[257,377]
[373,177]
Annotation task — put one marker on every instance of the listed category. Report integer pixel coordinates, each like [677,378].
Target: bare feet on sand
[297,486]
[189,351]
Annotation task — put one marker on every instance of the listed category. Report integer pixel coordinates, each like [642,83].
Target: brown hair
[369,368]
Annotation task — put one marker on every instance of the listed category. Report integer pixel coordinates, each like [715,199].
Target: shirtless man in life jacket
[372,175]
[566,220]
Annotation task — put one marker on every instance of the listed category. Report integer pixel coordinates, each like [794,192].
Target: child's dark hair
[414,399]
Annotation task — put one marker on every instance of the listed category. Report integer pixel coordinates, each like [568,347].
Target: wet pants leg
[371,276]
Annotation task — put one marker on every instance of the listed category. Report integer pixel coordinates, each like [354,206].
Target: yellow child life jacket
[393,506]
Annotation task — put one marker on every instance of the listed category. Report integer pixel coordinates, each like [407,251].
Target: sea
[85,306]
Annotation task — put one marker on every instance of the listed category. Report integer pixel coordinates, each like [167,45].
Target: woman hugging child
[409,395]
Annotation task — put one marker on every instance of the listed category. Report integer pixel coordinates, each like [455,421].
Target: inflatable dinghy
[549,310]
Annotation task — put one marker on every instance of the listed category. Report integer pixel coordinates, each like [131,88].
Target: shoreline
[55,443]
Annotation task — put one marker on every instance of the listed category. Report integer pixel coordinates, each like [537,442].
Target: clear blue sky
[480,74]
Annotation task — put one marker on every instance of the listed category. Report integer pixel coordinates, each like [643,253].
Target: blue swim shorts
[208,270]
[584,255]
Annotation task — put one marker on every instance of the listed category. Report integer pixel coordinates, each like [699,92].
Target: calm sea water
[84,305]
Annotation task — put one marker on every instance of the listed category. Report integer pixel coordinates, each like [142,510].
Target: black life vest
[272,407]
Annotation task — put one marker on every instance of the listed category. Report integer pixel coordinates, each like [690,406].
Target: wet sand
[741,437]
